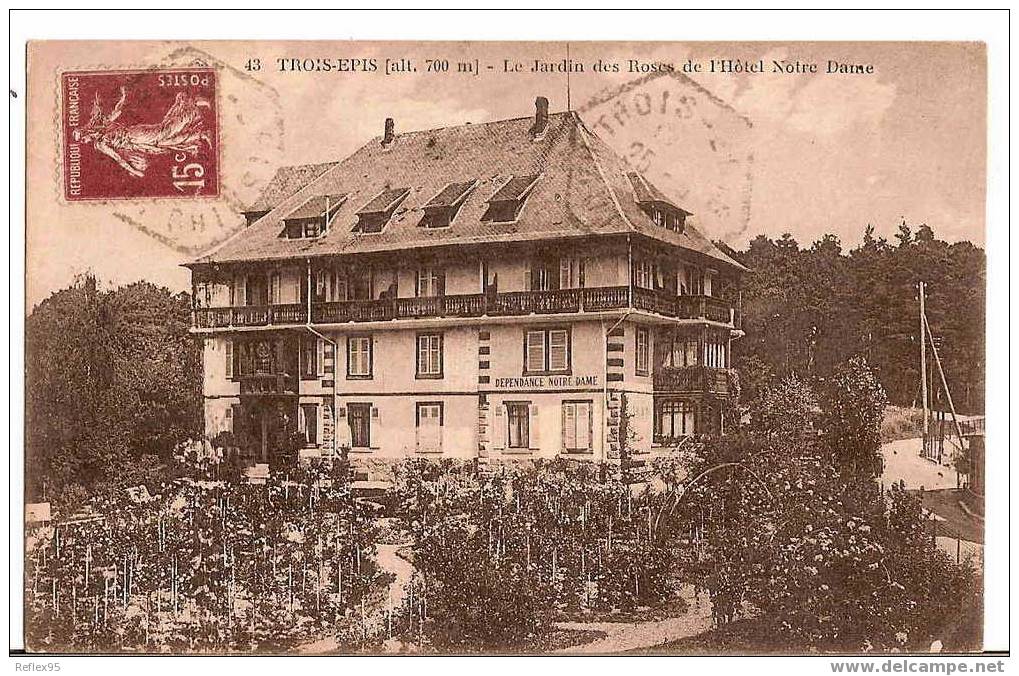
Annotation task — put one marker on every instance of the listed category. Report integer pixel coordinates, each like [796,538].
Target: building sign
[545,382]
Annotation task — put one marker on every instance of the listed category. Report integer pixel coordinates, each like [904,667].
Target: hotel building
[486,291]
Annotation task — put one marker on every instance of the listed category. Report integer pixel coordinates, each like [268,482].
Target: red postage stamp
[140,134]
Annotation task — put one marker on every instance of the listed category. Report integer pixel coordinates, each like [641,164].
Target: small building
[486,291]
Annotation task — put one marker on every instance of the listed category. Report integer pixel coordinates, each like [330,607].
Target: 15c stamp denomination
[140,134]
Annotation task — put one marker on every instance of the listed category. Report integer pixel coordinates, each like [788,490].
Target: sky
[750,153]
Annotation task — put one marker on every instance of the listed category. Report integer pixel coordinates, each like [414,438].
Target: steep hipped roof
[285,182]
[582,189]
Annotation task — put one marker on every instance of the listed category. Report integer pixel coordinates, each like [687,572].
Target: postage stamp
[140,134]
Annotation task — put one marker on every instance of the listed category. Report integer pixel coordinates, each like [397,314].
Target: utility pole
[944,382]
[923,361]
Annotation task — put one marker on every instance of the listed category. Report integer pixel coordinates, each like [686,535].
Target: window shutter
[585,423]
[229,345]
[568,424]
[499,427]
[240,292]
[235,413]
[374,427]
[533,440]
[317,425]
[320,357]
[534,351]
[527,277]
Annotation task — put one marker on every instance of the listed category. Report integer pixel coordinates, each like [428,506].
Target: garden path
[389,560]
[625,636]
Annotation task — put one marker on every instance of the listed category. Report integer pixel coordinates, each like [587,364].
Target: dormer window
[668,218]
[372,217]
[652,202]
[312,218]
[505,205]
[442,209]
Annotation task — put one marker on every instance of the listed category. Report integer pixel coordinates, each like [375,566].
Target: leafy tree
[110,376]
[786,410]
[853,404]
[806,310]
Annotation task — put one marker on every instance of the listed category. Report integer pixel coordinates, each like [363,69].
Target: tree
[785,411]
[853,404]
[806,310]
[110,376]
[778,544]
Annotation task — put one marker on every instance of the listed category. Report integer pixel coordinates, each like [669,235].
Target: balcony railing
[268,383]
[250,315]
[693,379]
[685,307]
[514,303]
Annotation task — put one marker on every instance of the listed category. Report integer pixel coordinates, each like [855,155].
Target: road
[903,462]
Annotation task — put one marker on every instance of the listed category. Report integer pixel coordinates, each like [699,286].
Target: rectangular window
[571,273]
[309,357]
[518,419]
[275,288]
[256,290]
[643,339]
[535,351]
[541,278]
[644,274]
[429,355]
[682,352]
[324,285]
[714,351]
[429,427]
[558,350]
[359,419]
[577,426]
[547,351]
[695,281]
[307,423]
[360,286]
[431,282]
[565,273]
[675,418]
[359,357]
[229,344]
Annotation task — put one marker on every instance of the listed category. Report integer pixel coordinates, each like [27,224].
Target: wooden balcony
[509,304]
[684,307]
[250,315]
[693,380]
[268,384]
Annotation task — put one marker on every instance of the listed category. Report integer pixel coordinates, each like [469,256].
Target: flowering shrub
[204,566]
[501,557]
[783,535]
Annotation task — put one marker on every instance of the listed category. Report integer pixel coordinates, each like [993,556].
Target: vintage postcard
[505,347]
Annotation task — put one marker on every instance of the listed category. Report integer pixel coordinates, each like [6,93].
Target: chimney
[389,134]
[540,116]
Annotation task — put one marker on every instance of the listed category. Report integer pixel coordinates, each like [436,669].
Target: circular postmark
[689,142]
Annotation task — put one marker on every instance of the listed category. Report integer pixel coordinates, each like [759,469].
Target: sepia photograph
[494,347]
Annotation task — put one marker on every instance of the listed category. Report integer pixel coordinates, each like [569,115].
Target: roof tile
[583,191]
